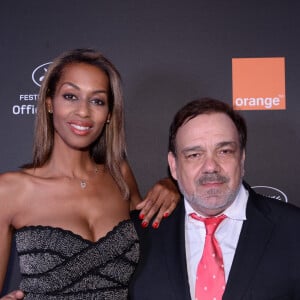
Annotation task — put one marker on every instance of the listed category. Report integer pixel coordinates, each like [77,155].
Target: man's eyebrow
[192,148]
[200,148]
[226,143]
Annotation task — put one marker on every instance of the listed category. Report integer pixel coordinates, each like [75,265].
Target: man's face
[209,164]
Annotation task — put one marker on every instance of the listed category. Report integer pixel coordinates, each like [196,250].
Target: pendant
[82,184]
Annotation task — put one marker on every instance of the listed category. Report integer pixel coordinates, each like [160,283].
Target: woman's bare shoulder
[11,191]
[11,176]
[13,182]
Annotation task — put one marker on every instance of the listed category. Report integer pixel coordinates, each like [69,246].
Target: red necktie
[210,280]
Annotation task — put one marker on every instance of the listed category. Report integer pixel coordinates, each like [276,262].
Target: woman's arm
[135,196]
[10,188]
[5,245]
[6,215]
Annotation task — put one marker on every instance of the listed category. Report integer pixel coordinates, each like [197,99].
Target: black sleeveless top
[57,264]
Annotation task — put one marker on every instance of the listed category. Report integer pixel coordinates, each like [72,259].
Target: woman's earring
[107,121]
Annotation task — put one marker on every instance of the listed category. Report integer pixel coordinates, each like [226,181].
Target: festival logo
[271,192]
[39,72]
[26,103]
[258,83]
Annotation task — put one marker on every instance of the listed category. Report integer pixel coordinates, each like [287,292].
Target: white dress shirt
[227,235]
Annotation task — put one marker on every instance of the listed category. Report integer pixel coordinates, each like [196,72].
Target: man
[257,236]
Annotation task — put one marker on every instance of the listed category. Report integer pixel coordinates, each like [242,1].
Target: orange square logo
[258,83]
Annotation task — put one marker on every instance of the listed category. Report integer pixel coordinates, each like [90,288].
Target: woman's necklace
[83,182]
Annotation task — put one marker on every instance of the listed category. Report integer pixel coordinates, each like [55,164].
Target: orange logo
[258,83]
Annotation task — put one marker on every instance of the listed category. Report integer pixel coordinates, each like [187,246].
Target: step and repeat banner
[168,52]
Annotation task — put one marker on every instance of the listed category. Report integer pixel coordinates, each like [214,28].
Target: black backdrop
[168,52]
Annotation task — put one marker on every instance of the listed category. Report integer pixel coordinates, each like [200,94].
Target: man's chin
[212,202]
[215,191]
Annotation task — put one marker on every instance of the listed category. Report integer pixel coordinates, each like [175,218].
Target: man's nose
[210,164]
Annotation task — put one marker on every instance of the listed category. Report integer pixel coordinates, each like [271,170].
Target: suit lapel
[176,259]
[255,234]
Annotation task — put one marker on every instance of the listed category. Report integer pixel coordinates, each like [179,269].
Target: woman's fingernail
[144,224]
[166,215]
[141,216]
[155,225]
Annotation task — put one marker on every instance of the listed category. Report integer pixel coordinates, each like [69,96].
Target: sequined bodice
[57,264]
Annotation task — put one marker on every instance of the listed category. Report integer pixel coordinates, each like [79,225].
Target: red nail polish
[141,216]
[166,215]
[144,224]
[155,225]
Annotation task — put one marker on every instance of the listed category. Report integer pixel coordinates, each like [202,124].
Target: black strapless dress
[57,264]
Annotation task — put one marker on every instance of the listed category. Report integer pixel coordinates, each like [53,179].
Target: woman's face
[80,105]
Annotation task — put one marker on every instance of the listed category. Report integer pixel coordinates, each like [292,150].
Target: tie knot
[211,223]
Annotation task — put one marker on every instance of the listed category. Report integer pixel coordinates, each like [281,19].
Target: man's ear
[172,165]
[243,162]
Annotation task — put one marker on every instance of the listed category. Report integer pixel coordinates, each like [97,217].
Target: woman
[69,208]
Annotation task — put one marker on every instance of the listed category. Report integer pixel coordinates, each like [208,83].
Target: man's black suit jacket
[266,264]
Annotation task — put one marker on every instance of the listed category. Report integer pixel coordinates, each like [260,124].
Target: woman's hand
[13,295]
[161,200]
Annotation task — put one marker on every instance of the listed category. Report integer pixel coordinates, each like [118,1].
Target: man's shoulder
[273,208]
